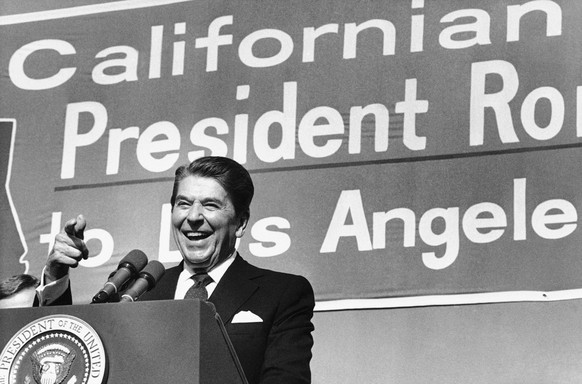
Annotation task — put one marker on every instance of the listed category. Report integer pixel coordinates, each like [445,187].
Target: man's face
[204,222]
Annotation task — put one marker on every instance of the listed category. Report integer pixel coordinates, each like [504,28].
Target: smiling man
[205,221]
[267,314]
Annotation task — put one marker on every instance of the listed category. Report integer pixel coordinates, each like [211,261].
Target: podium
[181,341]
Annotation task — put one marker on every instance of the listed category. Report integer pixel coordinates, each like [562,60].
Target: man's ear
[243,220]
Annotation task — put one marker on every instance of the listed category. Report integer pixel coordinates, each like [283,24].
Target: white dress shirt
[185,281]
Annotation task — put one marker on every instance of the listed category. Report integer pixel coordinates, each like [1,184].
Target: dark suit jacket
[277,350]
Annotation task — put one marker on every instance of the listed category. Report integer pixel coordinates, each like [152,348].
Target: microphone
[148,278]
[127,269]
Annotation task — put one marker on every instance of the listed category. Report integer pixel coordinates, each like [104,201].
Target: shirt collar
[216,273]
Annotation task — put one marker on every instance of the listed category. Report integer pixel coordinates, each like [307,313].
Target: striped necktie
[198,290]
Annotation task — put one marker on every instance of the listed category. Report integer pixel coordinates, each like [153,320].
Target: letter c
[16,66]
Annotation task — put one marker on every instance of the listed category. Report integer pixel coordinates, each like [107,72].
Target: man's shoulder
[270,275]
[253,269]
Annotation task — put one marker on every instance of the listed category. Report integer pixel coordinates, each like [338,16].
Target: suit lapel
[234,289]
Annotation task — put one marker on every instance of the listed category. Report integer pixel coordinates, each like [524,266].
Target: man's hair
[16,284]
[231,176]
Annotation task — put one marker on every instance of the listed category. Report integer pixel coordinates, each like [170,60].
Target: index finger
[80,227]
[76,227]
[70,227]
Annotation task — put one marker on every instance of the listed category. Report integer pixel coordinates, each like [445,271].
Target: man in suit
[267,314]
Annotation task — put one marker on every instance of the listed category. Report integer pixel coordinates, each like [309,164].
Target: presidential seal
[56,349]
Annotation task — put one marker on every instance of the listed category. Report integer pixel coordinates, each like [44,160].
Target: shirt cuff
[49,293]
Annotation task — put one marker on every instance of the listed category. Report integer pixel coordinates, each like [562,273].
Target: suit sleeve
[65,299]
[55,293]
[289,343]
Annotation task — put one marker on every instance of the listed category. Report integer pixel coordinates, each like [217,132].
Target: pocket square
[246,317]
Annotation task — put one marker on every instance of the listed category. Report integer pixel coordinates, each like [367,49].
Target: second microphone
[128,269]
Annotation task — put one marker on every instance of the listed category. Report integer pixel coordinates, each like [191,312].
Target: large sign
[399,148]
